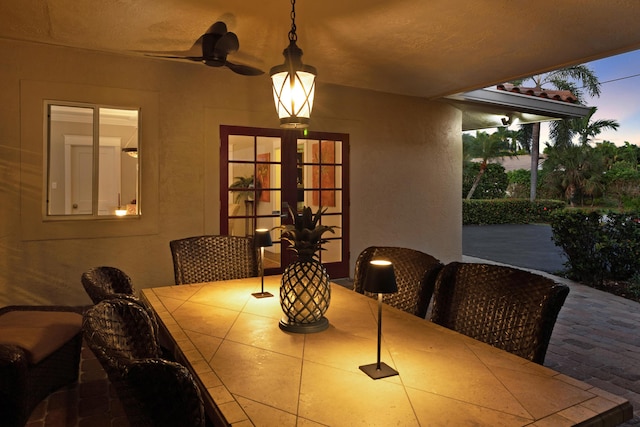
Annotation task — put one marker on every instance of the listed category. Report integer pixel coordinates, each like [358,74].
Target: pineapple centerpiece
[305,292]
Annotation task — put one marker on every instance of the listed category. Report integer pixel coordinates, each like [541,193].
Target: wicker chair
[106,282]
[39,353]
[505,307]
[102,283]
[415,275]
[153,391]
[212,258]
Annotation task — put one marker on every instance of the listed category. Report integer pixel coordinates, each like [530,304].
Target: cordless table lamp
[380,279]
[262,239]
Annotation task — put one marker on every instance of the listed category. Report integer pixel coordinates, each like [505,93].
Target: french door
[266,172]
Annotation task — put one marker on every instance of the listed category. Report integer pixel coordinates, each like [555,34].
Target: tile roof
[557,95]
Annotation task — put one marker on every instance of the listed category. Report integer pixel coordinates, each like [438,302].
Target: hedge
[508,211]
[599,246]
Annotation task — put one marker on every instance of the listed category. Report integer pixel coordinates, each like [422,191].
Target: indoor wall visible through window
[92,161]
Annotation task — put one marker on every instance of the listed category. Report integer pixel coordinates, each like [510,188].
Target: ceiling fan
[214,45]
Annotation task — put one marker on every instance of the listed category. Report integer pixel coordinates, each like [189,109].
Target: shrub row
[598,246]
[508,211]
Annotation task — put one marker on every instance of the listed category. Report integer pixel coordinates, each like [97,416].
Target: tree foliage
[486,147]
[519,183]
[493,184]
[581,173]
[574,79]
[585,128]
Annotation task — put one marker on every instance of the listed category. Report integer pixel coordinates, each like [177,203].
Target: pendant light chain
[292,34]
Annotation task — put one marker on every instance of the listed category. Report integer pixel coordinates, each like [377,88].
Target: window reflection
[92,159]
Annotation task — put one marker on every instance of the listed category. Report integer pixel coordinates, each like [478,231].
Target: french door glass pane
[255,194]
[320,186]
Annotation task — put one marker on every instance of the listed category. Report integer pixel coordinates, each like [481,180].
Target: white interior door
[79,202]
[79,175]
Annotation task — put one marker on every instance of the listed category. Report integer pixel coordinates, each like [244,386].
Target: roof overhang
[490,108]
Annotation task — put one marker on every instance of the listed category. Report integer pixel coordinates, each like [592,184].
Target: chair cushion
[39,333]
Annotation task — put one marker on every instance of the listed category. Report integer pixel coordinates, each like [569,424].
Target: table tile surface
[256,374]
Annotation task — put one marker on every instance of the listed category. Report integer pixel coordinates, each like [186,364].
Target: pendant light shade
[294,84]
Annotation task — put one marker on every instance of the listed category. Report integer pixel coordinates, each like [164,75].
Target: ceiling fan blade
[245,70]
[213,46]
[217,28]
[228,43]
[197,45]
[189,58]
[213,62]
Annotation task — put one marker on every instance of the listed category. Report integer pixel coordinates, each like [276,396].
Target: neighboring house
[405,153]
[521,161]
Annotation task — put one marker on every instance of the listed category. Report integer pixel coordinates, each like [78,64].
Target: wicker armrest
[74,309]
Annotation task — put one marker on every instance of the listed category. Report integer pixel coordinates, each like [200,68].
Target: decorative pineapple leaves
[305,234]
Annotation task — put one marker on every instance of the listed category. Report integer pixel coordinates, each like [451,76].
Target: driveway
[521,245]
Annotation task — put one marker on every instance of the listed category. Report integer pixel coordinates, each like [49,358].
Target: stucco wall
[405,166]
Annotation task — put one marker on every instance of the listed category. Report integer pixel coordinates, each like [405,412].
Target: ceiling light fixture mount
[294,83]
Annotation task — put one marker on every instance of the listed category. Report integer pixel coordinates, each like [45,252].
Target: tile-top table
[253,373]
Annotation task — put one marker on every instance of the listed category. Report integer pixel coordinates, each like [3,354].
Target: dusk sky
[619,97]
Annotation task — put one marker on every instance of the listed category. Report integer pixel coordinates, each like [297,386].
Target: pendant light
[294,83]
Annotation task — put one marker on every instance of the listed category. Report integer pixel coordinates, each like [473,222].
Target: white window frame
[96,140]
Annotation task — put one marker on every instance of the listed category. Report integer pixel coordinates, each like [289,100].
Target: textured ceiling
[425,48]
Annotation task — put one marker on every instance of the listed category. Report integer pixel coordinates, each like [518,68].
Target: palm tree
[508,138]
[574,171]
[588,129]
[523,137]
[485,147]
[563,79]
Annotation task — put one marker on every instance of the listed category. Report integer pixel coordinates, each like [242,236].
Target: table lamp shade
[380,277]
[262,238]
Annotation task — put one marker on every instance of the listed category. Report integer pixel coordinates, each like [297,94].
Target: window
[92,161]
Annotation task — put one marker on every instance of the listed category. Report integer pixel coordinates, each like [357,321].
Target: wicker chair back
[103,282]
[212,258]
[153,391]
[508,308]
[415,271]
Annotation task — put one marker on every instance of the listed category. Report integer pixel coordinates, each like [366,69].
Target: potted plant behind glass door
[305,292]
[244,188]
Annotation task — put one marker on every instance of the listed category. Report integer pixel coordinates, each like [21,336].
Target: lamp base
[262,294]
[375,373]
[304,328]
